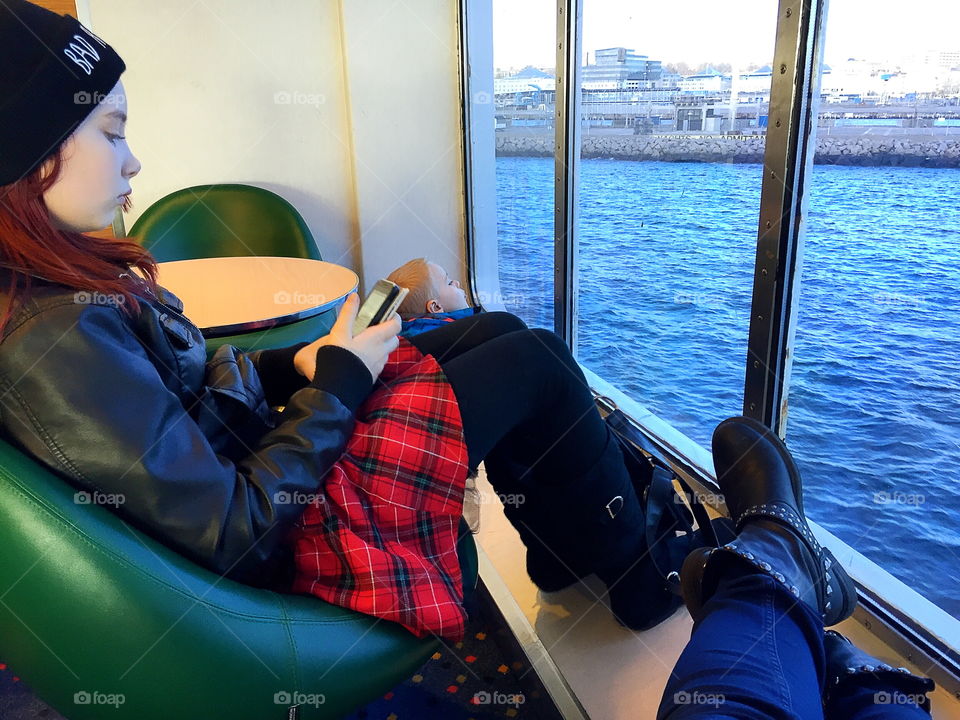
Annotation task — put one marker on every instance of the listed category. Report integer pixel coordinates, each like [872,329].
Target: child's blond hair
[415,276]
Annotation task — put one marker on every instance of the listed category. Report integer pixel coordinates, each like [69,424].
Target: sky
[740,32]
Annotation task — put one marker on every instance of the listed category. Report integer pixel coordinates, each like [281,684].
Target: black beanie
[52,75]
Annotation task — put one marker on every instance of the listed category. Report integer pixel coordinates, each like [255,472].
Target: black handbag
[675,524]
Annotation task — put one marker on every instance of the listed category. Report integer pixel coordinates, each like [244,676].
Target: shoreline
[858,150]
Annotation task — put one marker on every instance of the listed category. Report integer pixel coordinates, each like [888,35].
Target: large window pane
[670,184]
[524,56]
[875,396]
[674,119]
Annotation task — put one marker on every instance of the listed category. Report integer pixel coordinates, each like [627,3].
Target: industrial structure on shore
[624,89]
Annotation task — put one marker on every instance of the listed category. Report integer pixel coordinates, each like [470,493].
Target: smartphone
[380,304]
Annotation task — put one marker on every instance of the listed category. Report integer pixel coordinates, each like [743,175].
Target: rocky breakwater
[853,150]
[940,152]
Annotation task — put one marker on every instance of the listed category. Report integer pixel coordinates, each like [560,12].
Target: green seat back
[224,220]
[94,611]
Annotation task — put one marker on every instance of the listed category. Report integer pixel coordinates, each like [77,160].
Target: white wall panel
[348,110]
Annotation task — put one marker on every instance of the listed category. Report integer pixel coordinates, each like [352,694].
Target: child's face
[450,295]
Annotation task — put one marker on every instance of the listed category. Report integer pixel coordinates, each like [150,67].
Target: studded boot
[762,489]
[848,665]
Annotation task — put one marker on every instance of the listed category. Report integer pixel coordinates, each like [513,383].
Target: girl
[354,491]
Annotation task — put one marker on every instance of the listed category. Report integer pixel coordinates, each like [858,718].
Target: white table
[233,295]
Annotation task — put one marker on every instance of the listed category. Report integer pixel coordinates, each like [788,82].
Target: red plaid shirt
[381,537]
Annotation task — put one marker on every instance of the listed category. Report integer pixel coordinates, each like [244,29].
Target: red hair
[30,245]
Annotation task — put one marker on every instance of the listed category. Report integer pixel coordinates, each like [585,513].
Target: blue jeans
[756,653]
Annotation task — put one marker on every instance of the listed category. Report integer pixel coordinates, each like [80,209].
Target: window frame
[898,615]
[788,161]
[567,142]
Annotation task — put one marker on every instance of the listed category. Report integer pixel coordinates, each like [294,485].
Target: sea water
[667,254]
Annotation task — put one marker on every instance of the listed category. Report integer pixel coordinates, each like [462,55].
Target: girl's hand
[372,346]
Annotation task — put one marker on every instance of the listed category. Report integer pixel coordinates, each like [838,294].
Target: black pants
[511,381]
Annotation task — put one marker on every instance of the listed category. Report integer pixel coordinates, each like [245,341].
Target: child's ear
[434,307]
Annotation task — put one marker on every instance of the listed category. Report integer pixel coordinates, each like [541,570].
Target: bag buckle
[617,501]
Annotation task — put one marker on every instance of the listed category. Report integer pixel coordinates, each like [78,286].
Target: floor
[614,673]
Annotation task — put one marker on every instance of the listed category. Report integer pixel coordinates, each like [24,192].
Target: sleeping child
[433,298]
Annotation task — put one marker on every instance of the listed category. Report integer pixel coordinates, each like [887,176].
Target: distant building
[668,81]
[863,81]
[620,68]
[709,81]
[756,82]
[529,80]
[945,59]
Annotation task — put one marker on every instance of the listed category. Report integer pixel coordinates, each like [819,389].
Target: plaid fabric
[381,537]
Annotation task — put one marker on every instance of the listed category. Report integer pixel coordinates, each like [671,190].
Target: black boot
[549,571]
[640,597]
[589,524]
[763,492]
[535,509]
[846,664]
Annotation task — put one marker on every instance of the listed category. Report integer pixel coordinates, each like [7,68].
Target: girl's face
[96,171]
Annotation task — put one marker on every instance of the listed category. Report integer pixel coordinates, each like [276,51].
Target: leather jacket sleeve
[81,395]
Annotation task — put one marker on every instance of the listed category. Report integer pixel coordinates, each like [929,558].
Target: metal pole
[566,163]
[788,159]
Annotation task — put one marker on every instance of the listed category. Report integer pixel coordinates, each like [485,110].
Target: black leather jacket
[189,451]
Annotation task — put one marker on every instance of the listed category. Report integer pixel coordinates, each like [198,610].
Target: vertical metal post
[788,159]
[566,163]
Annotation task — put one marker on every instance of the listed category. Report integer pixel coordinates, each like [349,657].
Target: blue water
[666,258]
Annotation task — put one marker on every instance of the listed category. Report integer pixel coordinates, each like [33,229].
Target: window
[874,417]
[524,55]
[670,209]
[668,216]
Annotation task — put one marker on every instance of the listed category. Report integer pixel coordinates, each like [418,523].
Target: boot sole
[847,589]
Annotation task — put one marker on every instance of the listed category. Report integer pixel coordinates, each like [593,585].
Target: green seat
[94,613]
[230,220]
[225,220]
